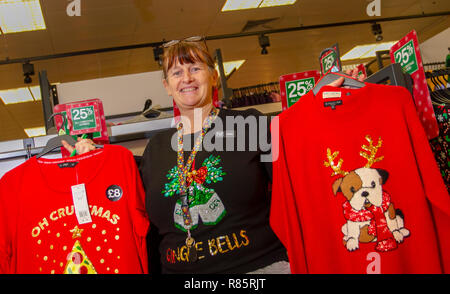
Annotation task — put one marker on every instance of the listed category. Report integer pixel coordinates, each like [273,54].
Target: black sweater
[230,197]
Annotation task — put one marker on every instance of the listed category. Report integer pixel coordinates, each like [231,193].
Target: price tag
[407,53]
[293,86]
[330,60]
[80,204]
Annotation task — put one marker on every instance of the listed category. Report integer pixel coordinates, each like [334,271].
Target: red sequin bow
[199,176]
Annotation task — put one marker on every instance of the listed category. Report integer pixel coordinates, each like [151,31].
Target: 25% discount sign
[293,86]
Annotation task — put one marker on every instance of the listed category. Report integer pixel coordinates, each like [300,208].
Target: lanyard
[183,171]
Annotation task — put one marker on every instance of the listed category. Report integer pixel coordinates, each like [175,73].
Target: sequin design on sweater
[368,210]
[204,203]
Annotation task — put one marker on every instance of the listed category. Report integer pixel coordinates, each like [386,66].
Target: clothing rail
[394,75]
[271,84]
[433,65]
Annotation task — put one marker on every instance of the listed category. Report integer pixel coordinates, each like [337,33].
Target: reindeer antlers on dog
[370,156]
[371,159]
[330,163]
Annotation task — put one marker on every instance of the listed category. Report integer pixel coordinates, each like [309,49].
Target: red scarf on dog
[378,224]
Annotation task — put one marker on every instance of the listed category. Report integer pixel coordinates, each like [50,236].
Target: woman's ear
[215,78]
[166,86]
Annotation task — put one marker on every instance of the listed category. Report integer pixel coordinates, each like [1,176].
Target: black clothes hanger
[333,76]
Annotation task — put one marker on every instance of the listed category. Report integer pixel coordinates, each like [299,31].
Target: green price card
[297,88]
[406,56]
[83,118]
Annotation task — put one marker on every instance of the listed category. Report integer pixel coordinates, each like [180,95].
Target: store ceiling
[106,23]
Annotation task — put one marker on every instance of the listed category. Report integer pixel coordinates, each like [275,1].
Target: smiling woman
[189,77]
[209,208]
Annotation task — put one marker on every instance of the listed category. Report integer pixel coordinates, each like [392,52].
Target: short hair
[186,52]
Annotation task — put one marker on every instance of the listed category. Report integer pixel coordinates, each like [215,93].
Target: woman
[209,202]
[207,187]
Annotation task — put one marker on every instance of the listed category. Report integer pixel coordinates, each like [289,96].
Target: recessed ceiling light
[367,51]
[248,4]
[35,92]
[270,3]
[19,95]
[229,66]
[21,16]
[35,132]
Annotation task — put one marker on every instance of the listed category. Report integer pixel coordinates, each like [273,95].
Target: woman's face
[190,84]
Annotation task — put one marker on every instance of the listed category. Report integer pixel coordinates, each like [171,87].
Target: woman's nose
[187,76]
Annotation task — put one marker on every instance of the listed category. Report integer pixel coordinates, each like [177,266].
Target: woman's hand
[353,73]
[82,146]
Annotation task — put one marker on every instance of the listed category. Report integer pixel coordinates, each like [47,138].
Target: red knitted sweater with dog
[323,138]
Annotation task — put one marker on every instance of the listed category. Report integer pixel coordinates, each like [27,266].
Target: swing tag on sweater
[328,95]
[80,204]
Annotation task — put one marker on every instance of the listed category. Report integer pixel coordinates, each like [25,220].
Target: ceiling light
[271,3]
[229,66]
[19,95]
[367,51]
[248,4]
[35,132]
[21,16]
[240,4]
[35,92]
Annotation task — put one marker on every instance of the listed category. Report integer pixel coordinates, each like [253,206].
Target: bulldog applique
[369,210]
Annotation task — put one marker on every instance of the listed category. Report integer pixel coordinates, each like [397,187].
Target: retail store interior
[107,50]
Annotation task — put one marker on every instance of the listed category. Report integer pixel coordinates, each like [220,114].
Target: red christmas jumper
[39,231]
[389,215]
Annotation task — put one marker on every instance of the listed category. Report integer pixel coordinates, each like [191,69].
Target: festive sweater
[355,186]
[440,144]
[39,228]
[228,192]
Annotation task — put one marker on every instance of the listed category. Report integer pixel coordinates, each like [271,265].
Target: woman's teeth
[188,89]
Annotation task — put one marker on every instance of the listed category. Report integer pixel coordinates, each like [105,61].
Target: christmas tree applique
[77,261]
[204,203]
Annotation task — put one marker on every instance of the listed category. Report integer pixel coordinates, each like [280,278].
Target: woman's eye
[176,73]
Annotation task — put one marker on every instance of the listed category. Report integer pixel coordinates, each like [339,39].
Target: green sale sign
[406,56]
[297,88]
[83,118]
